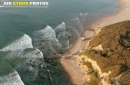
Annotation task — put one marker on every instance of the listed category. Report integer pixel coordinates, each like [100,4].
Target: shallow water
[15,22]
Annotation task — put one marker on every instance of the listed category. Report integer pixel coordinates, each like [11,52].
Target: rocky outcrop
[107,56]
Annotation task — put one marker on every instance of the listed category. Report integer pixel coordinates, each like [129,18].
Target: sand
[122,15]
[72,68]
[82,42]
[74,72]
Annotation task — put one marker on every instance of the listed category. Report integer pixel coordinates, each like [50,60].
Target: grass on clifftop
[115,56]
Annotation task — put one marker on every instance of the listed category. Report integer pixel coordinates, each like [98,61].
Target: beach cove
[71,66]
[46,34]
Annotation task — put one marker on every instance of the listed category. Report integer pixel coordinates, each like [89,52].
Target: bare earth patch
[76,74]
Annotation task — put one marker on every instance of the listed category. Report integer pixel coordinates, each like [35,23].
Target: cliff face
[106,60]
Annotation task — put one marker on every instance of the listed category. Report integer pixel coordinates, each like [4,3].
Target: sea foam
[21,43]
[62,36]
[11,79]
[25,53]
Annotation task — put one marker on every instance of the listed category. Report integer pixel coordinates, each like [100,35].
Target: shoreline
[121,15]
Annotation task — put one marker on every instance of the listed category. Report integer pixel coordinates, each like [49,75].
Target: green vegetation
[115,56]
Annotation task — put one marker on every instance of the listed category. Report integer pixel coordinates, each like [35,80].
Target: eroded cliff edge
[106,61]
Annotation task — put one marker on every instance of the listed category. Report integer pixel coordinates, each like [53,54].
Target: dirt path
[74,71]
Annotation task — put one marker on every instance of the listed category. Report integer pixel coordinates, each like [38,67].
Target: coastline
[121,15]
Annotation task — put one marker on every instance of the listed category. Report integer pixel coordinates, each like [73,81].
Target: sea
[77,16]
[29,19]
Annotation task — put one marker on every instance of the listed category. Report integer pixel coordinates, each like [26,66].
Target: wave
[62,36]
[82,17]
[45,40]
[60,27]
[11,79]
[21,43]
[17,54]
[25,61]
[46,34]
[77,24]
[1,6]
[24,53]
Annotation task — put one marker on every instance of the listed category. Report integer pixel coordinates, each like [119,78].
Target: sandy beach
[122,15]
[71,67]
